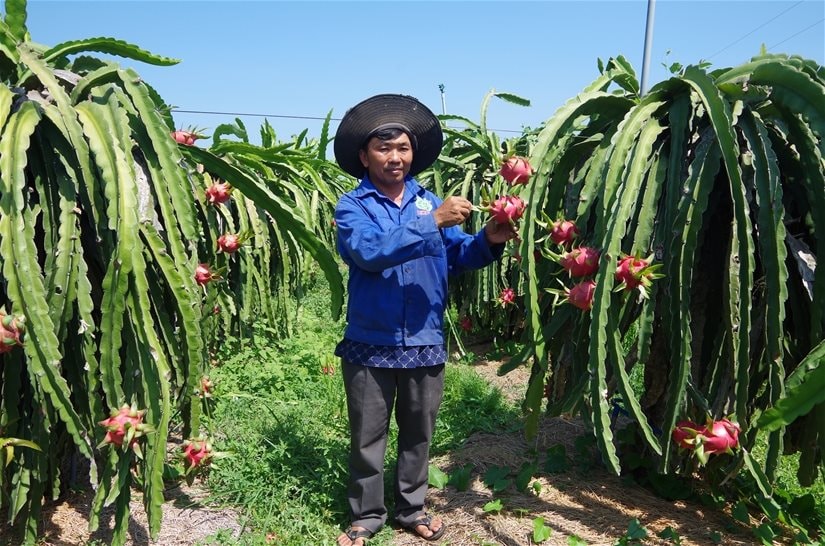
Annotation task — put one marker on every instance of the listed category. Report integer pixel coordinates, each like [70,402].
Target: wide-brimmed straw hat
[388,111]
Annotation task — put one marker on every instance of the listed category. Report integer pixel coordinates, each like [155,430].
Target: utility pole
[443,100]
[651,8]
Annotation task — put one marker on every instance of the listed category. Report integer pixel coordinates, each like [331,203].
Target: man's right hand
[453,211]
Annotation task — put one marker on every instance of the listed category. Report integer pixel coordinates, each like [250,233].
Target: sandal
[427,522]
[355,534]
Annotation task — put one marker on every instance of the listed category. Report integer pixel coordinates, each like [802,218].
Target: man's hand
[453,211]
[499,233]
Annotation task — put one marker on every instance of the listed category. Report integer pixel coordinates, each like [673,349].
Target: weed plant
[279,409]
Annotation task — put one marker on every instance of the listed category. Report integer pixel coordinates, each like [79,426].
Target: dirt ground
[595,506]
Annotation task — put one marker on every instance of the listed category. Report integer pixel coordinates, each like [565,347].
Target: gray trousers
[371,394]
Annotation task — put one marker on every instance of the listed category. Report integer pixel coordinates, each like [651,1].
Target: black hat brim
[364,118]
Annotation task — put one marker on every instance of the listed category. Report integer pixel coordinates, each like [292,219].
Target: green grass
[283,421]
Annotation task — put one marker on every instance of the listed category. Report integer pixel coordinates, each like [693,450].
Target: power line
[797,34]
[754,30]
[284,116]
[251,115]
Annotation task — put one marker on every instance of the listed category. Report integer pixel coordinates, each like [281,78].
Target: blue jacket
[399,262]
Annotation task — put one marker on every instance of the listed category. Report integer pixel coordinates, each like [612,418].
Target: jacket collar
[411,189]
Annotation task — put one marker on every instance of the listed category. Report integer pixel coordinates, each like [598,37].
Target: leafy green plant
[494,506]
[497,478]
[460,477]
[556,461]
[436,477]
[541,531]
[634,535]
[668,533]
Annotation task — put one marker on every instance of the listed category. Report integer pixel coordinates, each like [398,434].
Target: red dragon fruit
[516,170]
[507,297]
[186,137]
[219,192]
[466,323]
[196,453]
[562,232]
[581,295]
[206,388]
[11,331]
[229,243]
[686,432]
[204,275]
[581,261]
[633,272]
[720,436]
[125,426]
[509,208]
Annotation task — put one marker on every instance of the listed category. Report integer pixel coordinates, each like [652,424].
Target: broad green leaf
[436,477]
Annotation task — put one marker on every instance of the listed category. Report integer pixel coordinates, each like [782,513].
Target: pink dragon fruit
[204,275]
[516,170]
[581,261]
[187,138]
[720,436]
[125,425]
[218,193]
[562,232]
[581,295]
[196,453]
[229,243]
[686,432]
[633,272]
[11,332]
[507,297]
[509,208]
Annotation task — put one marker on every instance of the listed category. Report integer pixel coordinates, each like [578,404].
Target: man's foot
[427,527]
[354,536]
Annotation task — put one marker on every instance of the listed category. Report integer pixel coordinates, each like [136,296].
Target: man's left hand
[499,233]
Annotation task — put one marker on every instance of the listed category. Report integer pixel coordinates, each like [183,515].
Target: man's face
[387,161]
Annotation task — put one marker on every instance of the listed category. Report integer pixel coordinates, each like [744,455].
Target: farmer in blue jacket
[400,242]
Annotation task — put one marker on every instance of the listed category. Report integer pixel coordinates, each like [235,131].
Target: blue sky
[307,58]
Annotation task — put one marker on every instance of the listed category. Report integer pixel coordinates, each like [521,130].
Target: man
[400,242]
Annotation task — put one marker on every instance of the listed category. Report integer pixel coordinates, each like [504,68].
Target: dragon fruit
[516,170]
[186,138]
[196,453]
[206,387]
[562,232]
[466,323]
[204,275]
[124,425]
[581,261]
[229,243]
[11,332]
[509,208]
[507,297]
[633,272]
[219,192]
[720,436]
[686,432]
[581,295]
